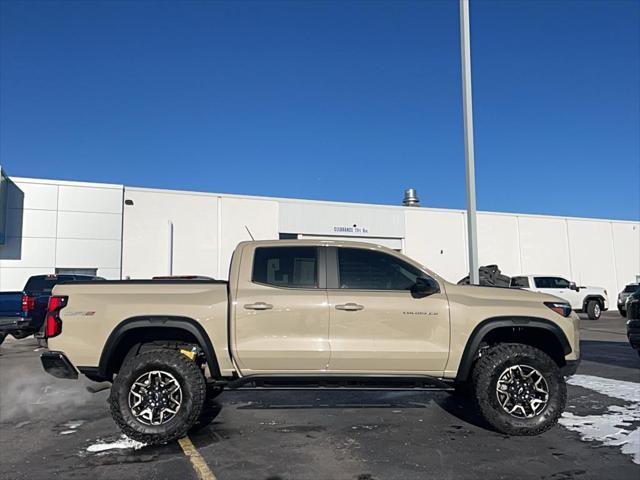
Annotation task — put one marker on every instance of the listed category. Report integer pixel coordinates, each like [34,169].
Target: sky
[347,101]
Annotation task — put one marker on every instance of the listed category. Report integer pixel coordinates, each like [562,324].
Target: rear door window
[292,267]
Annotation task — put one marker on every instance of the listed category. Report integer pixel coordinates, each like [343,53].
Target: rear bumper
[11,324]
[58,365]
[633,333]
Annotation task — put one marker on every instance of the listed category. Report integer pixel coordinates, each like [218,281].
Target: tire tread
[193,375]
[483,372]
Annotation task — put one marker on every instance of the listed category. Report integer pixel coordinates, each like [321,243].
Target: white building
[118,232]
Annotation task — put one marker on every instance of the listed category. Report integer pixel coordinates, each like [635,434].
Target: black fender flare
[158,321]
[483,328]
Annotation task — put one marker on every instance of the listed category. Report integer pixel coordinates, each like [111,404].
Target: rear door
[282,315]
[377,325]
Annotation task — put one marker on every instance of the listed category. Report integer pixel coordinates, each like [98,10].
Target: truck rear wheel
[519,389]
[157,396]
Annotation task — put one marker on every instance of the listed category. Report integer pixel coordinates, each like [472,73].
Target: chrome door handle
[258,306]
[349,307]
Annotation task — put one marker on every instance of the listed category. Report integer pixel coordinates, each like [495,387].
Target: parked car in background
[590,300]
[633,320]
[22,313]
[623,295]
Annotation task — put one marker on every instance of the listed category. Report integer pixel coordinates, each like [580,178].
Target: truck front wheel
[157,396]
[519,389]
[594,310]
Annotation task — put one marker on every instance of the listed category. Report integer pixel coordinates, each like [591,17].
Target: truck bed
[94,307]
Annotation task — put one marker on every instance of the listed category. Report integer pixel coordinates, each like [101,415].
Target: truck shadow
[464,409]
[207,430]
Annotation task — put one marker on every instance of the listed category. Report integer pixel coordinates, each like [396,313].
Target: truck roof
[315,242]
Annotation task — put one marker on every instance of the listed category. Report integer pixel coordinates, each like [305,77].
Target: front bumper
[58,365]
[633,333]
[12,324]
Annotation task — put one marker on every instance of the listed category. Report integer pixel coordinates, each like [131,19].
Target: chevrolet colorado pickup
[312,314]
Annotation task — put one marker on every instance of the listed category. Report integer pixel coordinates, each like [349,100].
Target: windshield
[631,288]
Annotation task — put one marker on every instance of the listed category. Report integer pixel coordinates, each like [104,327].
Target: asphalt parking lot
[53,428]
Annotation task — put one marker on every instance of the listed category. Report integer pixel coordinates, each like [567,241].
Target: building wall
[155,216]
[603,253]
[185,233]
[55,224]
[69,224]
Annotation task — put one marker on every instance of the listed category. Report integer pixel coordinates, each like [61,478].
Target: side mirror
[424,287]
[573,286]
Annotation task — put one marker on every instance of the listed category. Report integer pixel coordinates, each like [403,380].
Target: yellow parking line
[197,462]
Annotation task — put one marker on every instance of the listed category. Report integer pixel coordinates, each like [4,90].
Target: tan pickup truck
[312,314]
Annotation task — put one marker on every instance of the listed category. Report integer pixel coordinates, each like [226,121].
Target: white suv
[592,300]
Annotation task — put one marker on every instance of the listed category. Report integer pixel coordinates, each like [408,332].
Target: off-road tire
[622,312]
[485,376]
[192,383]
[594,310]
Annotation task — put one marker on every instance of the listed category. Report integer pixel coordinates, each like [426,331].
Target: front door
[281,312]
[377,324]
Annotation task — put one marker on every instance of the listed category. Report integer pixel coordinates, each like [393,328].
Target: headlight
[563,309]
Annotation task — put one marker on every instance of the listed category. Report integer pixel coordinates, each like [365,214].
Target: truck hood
[593,289]
[502,295]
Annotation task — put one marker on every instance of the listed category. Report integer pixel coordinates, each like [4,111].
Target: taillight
[53,324]
[28,303]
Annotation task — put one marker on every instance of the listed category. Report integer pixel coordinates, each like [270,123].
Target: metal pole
[465,46]
[170,246]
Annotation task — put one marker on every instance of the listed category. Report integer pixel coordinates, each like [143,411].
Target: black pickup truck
[633,320]
[22,313]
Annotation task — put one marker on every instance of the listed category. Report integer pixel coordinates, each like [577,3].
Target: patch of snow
[629,391]
[123,443]
[67,432]
[615,427]
[73,423]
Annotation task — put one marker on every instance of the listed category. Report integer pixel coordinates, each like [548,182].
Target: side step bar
[337,382]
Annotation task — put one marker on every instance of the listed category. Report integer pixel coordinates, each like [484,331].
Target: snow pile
[122,443]
[615,427]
